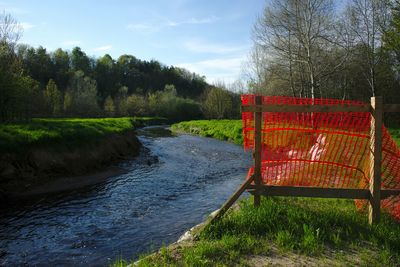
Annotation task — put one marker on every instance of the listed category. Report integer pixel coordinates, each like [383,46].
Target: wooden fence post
[376,159]
[257,151]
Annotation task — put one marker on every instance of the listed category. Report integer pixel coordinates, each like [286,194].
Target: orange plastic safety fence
[320,149]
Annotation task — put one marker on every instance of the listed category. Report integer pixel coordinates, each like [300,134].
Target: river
[169,188]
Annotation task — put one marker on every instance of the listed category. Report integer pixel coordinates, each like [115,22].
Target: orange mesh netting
[330,150]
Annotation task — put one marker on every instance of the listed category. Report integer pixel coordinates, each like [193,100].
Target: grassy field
[226,130]
[297,230]
[20,136]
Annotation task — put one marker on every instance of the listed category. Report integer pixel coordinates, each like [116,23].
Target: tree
[68,102]
[391,36]
[298,37]
[10,30]
[61,65]
[217,104]
[368,21]
[106,76]
[136,105]
[109,107]
[53,98]
[80,61]
[15,87]
[83,95]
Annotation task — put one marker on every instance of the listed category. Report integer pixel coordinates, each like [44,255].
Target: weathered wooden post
[376,159]
[257,149]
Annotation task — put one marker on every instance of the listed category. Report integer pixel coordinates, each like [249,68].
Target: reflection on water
[134,213]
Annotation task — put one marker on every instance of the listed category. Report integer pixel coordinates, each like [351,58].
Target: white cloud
[226,69]
[71,43]
[153,27]
[204,47]
[102,48]
[205,20]
[141,27]
[172,23]
[202,20]
[26,26]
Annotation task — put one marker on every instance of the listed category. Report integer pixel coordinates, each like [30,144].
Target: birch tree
[301,36]
[369,18]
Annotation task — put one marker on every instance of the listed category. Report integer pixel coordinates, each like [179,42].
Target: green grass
[395,133]
[226,130]
[17,137]
[296,225]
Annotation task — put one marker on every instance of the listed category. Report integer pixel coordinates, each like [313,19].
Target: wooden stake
[257,151]
[232,200]
[376,160]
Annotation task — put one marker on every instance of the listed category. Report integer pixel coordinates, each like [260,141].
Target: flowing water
[173,186]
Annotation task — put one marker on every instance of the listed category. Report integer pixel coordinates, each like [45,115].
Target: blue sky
[211,38]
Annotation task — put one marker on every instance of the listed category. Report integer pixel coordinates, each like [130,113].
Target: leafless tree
[368,19]
[301,36]
[10,29]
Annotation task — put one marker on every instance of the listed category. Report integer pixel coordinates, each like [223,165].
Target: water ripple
[133,213]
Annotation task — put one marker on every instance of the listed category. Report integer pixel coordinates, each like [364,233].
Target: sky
[209,37]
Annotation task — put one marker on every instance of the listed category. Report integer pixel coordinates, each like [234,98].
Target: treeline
[38,83]
[315,48]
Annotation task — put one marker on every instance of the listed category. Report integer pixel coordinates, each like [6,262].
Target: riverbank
[287,232]
[225,130]
[37,154]
[282,231]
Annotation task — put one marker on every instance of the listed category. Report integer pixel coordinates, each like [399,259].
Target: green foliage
[217,104]
[109,107]
[227,130]
[53,98]
[392,34]
[135,105]
[16,89]
[80,61]
[395,133]
[167,104]
[83,93]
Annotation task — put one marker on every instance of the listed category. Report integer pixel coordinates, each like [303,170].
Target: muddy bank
[21,173]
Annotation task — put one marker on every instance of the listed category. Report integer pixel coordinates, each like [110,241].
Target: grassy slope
[20,136]
[332,232]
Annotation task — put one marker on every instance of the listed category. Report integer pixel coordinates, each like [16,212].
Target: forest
[35,82]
